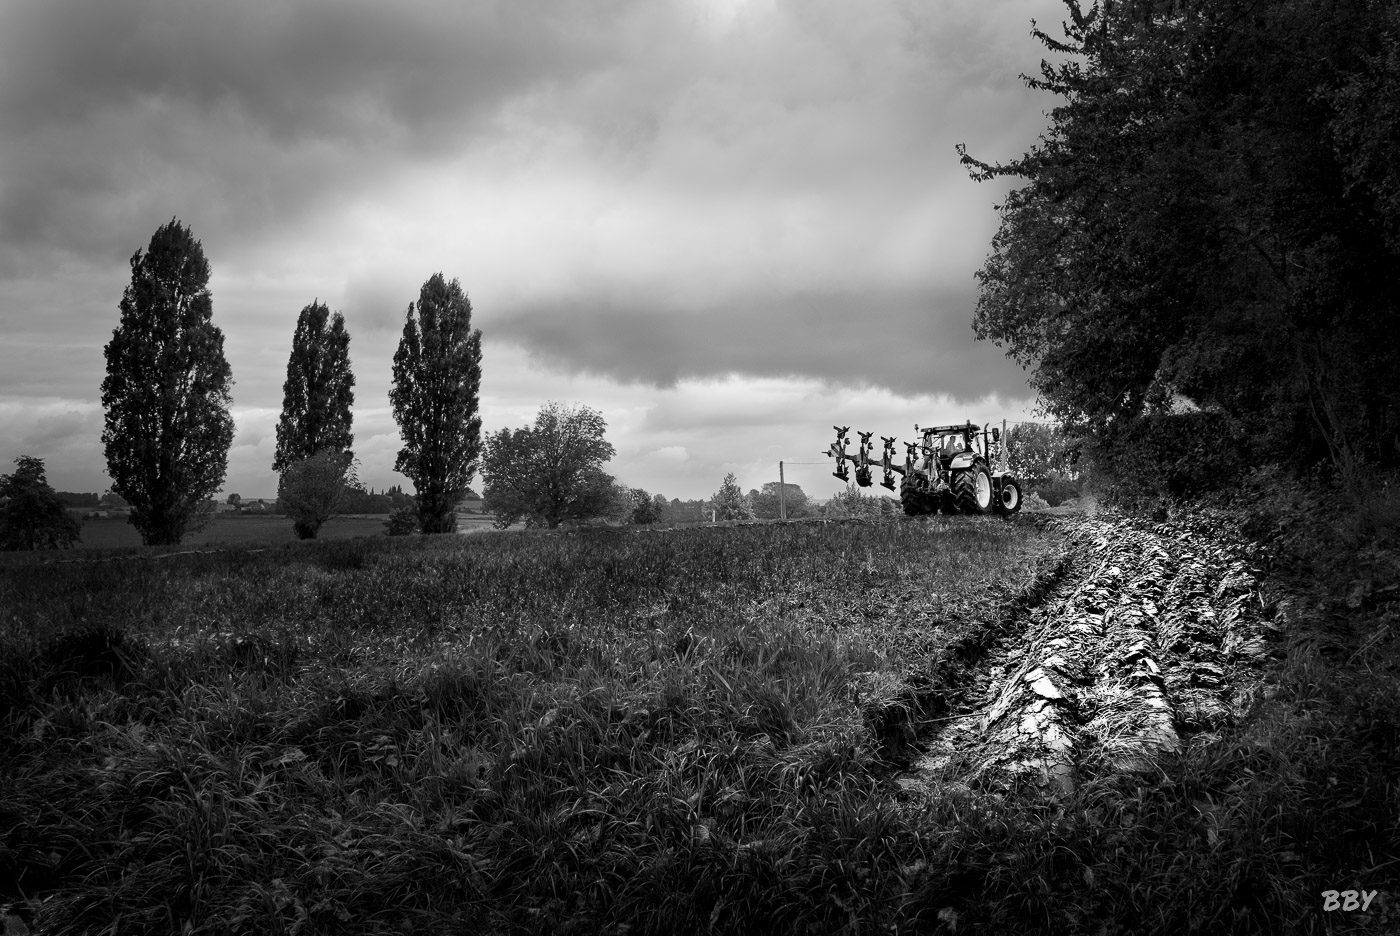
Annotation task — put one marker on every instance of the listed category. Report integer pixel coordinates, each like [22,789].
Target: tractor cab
[950,445]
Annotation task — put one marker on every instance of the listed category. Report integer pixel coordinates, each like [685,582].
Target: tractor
[952,469]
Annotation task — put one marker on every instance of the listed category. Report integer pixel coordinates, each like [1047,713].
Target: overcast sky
[724,224]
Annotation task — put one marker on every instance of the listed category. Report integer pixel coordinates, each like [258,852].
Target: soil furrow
[1150,635]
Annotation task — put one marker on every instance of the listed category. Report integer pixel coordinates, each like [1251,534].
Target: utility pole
[782,494]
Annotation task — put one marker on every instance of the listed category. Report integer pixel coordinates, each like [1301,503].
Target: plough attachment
[862,459]
[953,469]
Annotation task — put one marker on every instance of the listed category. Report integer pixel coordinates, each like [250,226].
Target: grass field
[739,729]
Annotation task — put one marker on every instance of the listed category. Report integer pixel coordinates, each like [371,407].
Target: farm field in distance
[1068,724]
[117,533]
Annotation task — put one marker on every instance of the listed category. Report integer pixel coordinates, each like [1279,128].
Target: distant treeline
[363,502]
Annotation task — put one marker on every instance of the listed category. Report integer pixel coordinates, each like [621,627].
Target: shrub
[1056,491]
[402,522]
[312,490]
[1167,457]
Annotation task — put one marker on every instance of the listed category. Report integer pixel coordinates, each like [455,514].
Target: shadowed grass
[529,732]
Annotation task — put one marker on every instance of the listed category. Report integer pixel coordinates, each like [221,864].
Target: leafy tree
[313,490]
[646,509]
[31,514]
[402,521]
[687,511]
[730,502]
[1037,452]
[1211,213]
[318,392]
[437,383]
[549,472]
[166,393]
[620,511]
[235,499]
[766,502]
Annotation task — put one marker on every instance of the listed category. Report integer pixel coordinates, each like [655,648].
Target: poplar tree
[435,396]
[166,394]
[318,392]
[729,501]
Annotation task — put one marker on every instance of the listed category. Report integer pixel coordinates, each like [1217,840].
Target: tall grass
[532,732]
[675,732]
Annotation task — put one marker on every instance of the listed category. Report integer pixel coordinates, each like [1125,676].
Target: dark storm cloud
[254,108]
[323,68]
[905,341]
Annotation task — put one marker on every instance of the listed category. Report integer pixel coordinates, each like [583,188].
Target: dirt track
[1149,634]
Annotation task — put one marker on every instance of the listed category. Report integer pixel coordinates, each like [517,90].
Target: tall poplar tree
[318,394]
[437,383]
[168,428]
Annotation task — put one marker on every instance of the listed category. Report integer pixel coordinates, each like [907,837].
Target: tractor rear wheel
[914,501]
[972,489]
[1010,498]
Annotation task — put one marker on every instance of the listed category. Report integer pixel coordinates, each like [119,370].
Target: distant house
[225,507]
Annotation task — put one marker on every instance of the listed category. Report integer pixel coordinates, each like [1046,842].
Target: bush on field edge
[402,522]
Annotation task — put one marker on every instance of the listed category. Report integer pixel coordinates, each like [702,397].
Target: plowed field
[1153,635]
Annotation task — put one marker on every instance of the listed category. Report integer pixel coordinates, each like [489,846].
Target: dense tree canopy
[729,502]
[166,393]
[436,394]
[1037,452]
[313,490]
[1212,213]
[645,508]
[687,511]
[766,504]
[31,514]
[550,472]
[318,393]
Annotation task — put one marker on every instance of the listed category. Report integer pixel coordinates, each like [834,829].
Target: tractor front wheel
[972,489]
[1010,498]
